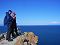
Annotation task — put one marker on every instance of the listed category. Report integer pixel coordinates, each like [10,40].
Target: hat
[9,11]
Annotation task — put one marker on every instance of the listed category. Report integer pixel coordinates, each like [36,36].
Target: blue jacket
[8,19]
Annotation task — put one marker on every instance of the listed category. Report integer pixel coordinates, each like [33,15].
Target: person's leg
[13,34]
[15,27]
[16,31]
[8,33]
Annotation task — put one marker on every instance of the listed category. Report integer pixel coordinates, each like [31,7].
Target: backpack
[6,18]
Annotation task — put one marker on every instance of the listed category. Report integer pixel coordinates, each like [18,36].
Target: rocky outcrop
[28,38]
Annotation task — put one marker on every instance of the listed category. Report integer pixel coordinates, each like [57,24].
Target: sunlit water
[48,35]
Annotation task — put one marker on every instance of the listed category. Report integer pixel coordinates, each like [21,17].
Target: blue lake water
[47,34]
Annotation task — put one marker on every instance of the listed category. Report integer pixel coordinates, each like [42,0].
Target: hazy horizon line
[34,25]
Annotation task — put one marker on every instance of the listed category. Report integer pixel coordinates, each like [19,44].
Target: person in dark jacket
[14,25]
[8,23]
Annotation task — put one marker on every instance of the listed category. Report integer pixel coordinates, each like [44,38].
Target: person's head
[9,11]
[14,13]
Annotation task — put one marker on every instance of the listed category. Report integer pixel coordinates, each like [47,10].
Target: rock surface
[28,38]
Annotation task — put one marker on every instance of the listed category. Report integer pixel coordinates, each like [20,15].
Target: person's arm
[13,15]
[10,20]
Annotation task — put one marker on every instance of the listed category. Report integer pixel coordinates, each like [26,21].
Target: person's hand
[14,17]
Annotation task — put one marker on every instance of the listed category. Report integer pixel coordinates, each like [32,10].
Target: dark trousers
[14,26]
[9,32]
[11,29]
[15,30]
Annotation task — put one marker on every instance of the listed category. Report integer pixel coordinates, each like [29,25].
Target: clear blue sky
[32,12]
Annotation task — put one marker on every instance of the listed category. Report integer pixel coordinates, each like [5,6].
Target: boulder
[28,38]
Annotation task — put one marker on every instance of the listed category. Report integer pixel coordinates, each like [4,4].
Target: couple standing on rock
[10,24]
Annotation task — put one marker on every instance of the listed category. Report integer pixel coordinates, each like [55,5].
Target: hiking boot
[10,39]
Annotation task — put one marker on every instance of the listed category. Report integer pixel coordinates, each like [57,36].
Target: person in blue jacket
[8,24]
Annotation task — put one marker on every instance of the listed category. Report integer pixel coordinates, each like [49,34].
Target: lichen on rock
[28,38]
